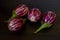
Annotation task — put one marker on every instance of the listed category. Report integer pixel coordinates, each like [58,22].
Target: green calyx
[24,19]
[45,25]
[13,14]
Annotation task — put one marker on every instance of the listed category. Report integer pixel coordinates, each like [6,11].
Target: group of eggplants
[16,21]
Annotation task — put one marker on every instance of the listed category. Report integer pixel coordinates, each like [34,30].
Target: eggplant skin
[34,15]
[15,24]
[21,10]
[49,17]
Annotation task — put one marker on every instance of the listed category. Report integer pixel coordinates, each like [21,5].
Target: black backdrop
[6,7]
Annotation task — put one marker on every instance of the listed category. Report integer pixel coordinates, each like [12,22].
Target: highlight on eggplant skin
[49,19]
[21,10]
[15,24]
[34,15]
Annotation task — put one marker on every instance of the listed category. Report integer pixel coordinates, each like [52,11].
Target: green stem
[13,15]
[45,25]
[24,19]
[42,22]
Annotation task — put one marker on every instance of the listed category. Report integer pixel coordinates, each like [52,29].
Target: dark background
[6,7]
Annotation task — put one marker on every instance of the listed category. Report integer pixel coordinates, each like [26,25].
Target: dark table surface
[6,7]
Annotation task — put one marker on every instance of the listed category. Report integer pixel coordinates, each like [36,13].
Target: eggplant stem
[13,15]
[24,19]
[42,22]
[45,25]
[6,21]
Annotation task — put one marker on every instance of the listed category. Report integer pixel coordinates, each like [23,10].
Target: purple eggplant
[15,24]
[49,19]
[21,10]
[34,15]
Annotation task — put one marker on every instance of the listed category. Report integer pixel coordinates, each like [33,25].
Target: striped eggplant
[21,10]
[15,24]
[49,19]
